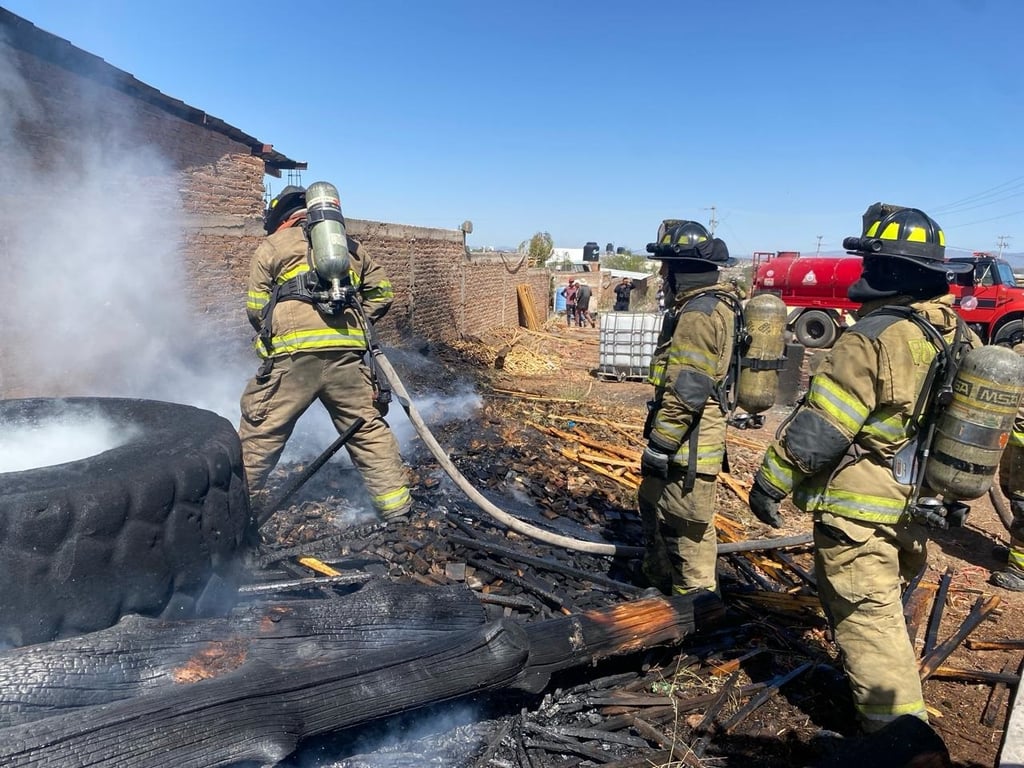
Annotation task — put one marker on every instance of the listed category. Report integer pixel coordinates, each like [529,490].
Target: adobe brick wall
[217,186]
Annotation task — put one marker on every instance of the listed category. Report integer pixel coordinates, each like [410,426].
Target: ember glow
[28,446]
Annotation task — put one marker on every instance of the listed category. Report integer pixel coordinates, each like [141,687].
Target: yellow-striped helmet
[903,233]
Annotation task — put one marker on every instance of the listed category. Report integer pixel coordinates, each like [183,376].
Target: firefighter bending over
[840,454]
[313,298]
[685,428]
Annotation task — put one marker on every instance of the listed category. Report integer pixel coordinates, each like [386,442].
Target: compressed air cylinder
[327,237]
[758,385]
[973,430]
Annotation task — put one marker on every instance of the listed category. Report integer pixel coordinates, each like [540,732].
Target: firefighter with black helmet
[839,454]
[313,297]
[686,423]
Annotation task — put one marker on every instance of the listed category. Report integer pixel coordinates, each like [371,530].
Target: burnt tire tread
[145,527]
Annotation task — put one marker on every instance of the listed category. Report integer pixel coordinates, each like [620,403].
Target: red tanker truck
[814,290]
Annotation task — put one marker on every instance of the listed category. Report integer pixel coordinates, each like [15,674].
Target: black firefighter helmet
[689,244]
[285,203]
[908,234]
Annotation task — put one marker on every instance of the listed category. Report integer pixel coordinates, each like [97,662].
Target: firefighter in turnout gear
[838,454]
[316,346]
[1011,482]
[686,423]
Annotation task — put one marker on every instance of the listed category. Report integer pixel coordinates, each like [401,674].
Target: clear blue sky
[593,120]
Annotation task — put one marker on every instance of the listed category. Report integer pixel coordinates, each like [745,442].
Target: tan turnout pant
[860,567]
[679,532]
[339,379]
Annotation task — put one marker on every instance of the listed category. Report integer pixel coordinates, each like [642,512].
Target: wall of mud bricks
[74,100]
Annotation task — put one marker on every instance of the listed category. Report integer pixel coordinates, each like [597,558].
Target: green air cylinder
[974,428]
[758,385]
[327,239]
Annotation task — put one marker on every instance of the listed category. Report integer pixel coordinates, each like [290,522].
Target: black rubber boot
[1011,579]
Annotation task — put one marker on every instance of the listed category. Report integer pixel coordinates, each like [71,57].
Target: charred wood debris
[604,674]
[759,683]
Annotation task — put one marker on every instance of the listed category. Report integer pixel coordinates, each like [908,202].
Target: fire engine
[813,288]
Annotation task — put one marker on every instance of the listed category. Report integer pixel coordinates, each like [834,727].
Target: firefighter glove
[764,503]
[654,463]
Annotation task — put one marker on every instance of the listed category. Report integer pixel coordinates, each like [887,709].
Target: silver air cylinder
[327,239]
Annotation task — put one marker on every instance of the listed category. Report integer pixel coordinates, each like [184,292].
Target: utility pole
[712,222]
[818,252]
[1004,240]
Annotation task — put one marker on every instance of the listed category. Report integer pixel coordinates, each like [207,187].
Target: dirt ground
[551,375]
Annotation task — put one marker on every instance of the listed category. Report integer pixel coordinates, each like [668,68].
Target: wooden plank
[260,711]
[982,608]
[140,656]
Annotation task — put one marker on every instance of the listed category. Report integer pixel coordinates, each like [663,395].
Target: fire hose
[509,521]
[524,528]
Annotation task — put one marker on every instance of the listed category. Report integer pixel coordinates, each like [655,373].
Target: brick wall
[216,186]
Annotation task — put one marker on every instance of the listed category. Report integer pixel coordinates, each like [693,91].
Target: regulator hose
[514,523]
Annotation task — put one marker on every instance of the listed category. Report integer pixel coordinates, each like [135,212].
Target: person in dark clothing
[570,292]
[622,291]
[583,315]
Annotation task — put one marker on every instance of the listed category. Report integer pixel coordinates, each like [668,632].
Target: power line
[983,221]
[998,189]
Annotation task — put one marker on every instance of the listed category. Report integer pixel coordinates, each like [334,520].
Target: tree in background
[628,261]
[538,249]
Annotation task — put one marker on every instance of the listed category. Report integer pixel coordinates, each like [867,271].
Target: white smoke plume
[91,238]
[92,243]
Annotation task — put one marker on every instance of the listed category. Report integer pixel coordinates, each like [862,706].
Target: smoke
[93,229]
[459,402]
[92,235]
[54,442]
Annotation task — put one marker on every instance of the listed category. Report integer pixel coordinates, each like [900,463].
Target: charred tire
[157,526]
[815,329]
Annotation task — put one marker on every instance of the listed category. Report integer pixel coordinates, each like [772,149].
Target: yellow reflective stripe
[387,502]
[378,293]
[891,231]
[701,359]
[777,471]
[705,456]
[1016,558]
[301,269]
[872,229]
[320,339]
[844,407]
[885,712]
[916,235]
[672,433]
[257,300]
[856,506]
[657,374]
[891,429]
[942,237]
